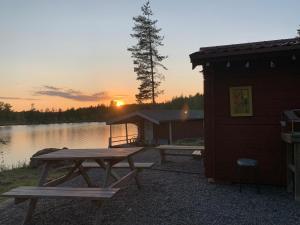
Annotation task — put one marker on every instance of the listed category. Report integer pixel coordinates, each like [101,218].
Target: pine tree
[146,58]
[298,31]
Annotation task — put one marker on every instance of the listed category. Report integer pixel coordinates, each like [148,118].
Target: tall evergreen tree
[146,58]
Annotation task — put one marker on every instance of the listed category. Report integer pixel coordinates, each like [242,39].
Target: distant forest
[99,113]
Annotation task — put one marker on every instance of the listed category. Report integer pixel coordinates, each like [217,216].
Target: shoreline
[25,124]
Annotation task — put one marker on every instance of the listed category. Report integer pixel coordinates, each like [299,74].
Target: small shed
[246,89]
[161,126]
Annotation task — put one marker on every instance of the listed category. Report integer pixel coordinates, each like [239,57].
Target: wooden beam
[124,180]
[33,202]
[126,129]
[110,137]
[170,133]
[62,179]
[70,175]
[107,174]
[132,167]
[103,165]
[297,170]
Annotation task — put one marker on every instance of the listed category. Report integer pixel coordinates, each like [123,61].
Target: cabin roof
[208,53]
[158,115]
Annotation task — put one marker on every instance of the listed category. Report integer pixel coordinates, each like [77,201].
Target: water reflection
[24,140]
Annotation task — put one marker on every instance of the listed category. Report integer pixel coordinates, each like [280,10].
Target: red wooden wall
[229,138]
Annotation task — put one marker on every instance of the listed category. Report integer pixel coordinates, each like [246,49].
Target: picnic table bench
[139,165]
[106,159]
[32,192]
[172,150]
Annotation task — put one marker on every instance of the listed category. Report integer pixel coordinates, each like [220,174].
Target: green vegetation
[146,58]
[23,176]
[98,113]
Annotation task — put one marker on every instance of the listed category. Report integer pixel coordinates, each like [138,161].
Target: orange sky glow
[62,54]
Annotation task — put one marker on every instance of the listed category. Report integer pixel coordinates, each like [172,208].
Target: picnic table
[164,150]
[104,158]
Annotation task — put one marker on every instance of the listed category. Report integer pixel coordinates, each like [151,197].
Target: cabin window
[241,101]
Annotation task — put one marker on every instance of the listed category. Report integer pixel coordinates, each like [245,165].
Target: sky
[73,53]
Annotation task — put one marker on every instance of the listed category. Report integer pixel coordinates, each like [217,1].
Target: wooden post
[297,170]
[170,133]
[33,202]
[126,129]
[110,137]
[290,165]
[132,167]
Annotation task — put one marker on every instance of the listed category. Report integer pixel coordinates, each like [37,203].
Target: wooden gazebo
[160,126]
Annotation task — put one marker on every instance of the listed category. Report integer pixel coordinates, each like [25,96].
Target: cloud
[72,94]
[17,98]
[52,88]
[120,96]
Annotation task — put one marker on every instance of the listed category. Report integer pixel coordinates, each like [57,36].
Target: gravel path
[168,198]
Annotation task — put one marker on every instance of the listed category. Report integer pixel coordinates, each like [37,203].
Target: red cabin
[246,89]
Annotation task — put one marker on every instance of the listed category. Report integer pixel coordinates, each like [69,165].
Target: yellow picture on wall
[241,101]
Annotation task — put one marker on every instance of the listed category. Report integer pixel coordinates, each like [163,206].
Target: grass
[23,176]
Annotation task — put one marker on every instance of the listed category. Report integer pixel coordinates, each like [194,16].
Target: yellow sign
[241,101]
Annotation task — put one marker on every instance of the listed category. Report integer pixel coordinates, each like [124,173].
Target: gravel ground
[167,198]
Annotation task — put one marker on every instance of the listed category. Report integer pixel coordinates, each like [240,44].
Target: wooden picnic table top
[86,154]
[180,147]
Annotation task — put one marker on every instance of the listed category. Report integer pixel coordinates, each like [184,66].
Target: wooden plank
[136,165]
[70,175]
[119,165]
[33,202]
[180,147]
[132,167]
[63,179]
[170,133]
[124,180]
[102,164]
[61,192]
[162,156]
[297,170]
[60,188]
[85,176]
[86,154]
[178,154]
[291,168]
[107,174]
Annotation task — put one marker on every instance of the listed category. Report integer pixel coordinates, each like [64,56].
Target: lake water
[24,140]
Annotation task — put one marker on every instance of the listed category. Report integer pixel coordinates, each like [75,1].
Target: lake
[24,140]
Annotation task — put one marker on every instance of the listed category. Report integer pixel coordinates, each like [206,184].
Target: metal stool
[249,163]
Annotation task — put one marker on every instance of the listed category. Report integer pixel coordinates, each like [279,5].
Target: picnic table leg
[33,202]
[132,167]
[107,173]
[112,173]
[85,175]
[162,156]
[99,213]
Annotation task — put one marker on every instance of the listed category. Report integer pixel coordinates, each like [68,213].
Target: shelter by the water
[246,89]
[159,126]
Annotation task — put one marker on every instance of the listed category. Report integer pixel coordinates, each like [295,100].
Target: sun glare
[119,103]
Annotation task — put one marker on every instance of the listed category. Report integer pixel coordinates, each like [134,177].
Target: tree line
[99,113]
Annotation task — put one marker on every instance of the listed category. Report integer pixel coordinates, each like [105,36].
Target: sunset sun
[119,103]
